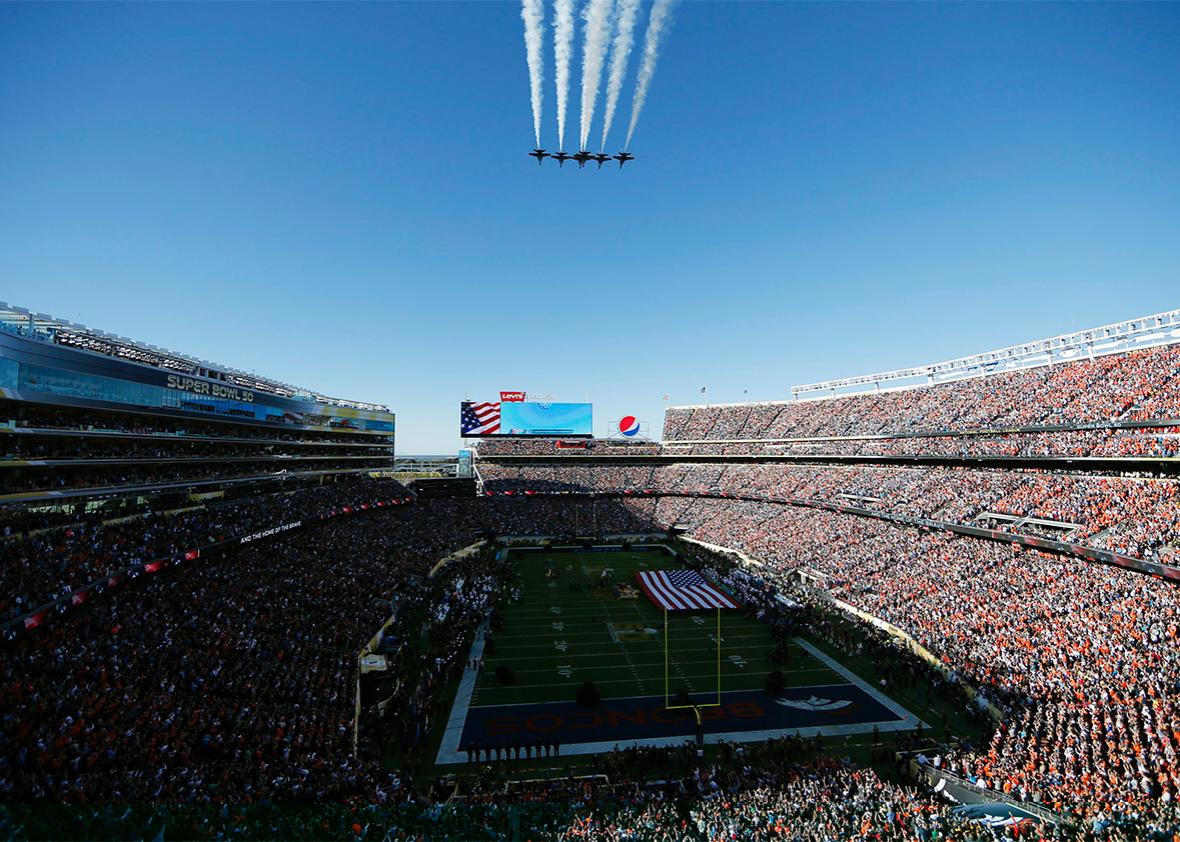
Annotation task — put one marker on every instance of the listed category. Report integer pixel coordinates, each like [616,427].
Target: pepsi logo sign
[629,425]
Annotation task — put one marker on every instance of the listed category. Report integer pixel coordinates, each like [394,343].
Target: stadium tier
[93,421]
[958,592]
[1133,516]
[115,454]
[1120,403]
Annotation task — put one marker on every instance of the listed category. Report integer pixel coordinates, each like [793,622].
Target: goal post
[667,670]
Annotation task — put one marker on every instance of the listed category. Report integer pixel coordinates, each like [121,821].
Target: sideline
[871,691]
[448,749]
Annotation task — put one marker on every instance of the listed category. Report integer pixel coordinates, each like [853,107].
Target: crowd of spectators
[15,448]
[89,477]
[1134,516]
[1133,386]
[755,793]
[573,478]
[44,564]
[1122,442]
[231,681]
[813,801]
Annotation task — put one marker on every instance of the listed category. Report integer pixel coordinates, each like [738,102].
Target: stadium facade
[91,415]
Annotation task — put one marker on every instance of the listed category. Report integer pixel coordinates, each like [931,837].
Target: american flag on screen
[480,418]
[681,590]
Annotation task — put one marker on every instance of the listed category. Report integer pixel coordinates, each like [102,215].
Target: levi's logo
[510,397]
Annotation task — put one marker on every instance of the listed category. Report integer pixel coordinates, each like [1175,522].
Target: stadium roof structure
[1144,332]
[44,328]
[1120,337]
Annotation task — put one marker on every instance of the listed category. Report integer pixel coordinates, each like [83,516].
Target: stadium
[801,463]
[916,589]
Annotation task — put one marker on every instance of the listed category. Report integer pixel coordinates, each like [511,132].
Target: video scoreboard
[525,419]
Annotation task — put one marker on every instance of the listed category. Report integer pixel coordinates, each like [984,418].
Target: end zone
[854,707]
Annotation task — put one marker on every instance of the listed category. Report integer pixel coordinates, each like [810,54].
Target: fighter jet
[582,157]
[623,158]
[540,155]
[601,159]
[561,158]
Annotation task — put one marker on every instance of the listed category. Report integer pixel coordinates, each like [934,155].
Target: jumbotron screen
[525,418]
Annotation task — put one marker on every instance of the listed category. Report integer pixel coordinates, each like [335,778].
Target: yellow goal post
[667,666]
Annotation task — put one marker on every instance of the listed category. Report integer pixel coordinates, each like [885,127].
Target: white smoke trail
[595,39]
[620,52]
[533,14]
[563,49]
[660,13]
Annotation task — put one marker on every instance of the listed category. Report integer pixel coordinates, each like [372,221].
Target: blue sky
[337,194]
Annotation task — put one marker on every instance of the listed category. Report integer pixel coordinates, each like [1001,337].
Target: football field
[581,617]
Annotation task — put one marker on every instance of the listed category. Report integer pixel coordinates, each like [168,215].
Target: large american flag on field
[480,418]
[681,590]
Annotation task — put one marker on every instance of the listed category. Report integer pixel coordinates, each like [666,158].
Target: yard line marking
[630,681]
[604,636]
[502,636]
[630,662]
[675,664]
[582,673]
[711,662]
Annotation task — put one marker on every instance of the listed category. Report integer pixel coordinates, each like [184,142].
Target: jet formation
[583,157]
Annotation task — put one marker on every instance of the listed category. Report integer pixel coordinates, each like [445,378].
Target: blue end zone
[746,716]
[643,718]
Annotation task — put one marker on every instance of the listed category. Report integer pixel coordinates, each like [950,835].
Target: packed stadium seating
[223,685]
[1134,386]
[758,800]
[1130,441]
[1133,516]
[42,564]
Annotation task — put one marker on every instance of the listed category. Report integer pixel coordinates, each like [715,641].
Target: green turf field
[555,638]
